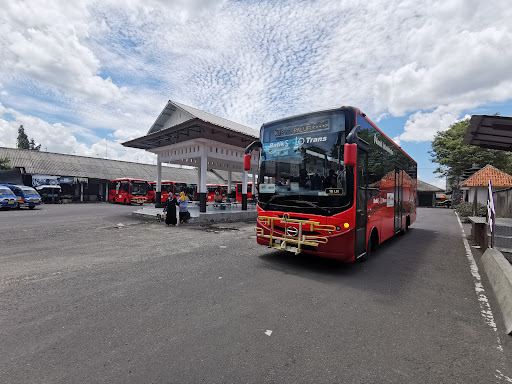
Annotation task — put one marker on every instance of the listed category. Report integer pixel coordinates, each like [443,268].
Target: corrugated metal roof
[426,187]
[481,178]
[47,163]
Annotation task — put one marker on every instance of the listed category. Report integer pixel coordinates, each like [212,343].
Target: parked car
[7,198]
[25,196]
[447,203]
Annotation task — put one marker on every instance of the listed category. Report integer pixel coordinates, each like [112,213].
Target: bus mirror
[350,155]
[247,162]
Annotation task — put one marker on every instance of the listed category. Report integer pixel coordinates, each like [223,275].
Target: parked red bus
[238,191]
[212,188]
[166,186]
[334,185]
[128,191]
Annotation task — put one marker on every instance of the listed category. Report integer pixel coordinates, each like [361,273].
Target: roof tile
[481,178]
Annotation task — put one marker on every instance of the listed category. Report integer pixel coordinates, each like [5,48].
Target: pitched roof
[47,163]
[426,187]
[481,178]
[192,113]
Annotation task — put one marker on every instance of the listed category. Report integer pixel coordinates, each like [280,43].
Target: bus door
[398,199]
[362,197]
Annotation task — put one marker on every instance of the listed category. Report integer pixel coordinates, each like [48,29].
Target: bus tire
[363,258]
[373,242]
[124,202]
[31,207]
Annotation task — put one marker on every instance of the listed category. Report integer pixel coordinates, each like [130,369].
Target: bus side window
[125,186]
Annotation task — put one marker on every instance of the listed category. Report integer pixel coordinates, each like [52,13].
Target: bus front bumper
[307,237]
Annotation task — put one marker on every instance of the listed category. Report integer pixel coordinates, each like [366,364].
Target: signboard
[390,201]
[267,188]
[38,180]
[334,191]
[66,180]
[299,129]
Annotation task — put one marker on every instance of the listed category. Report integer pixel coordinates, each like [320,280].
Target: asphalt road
[84,300]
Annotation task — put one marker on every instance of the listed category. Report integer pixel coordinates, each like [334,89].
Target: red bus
[332,184]
[166,186]
[238,191]
[128,191]
[212,188]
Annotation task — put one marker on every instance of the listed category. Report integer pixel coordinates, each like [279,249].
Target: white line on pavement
[485,307]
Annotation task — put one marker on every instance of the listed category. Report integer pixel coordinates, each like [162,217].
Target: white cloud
[61,138]
[112,65]
[459,58]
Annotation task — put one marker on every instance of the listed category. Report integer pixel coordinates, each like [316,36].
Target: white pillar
[244,183]
[106,191]
[203,172]
[81,191]
[253,188]
[229,182]
[158,173]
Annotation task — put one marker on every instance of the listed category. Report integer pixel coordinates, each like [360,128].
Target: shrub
[465,209]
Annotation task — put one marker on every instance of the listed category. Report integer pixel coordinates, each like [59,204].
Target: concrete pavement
[85,300]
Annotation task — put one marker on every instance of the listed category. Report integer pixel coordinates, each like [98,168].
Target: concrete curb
[499,272]
[221,217]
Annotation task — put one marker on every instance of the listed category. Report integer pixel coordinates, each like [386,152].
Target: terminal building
[86,178]
[191,146]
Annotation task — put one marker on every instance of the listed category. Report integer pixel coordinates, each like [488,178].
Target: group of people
[316,182]
[170,208]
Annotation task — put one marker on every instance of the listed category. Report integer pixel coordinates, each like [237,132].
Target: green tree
[454,156]
[4,164]
[33,145]
[23,141]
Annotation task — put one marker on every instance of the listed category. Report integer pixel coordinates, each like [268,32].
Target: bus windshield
[139,188]
[179,187]
[302,165]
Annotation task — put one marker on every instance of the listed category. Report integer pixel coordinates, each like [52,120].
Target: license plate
[10,202]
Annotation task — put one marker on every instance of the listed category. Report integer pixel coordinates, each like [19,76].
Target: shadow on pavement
[388,270]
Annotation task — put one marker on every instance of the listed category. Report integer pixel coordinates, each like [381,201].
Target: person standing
[183,203]
[218,197]
[170,208]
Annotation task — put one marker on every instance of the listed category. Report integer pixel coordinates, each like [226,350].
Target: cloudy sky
[84,76]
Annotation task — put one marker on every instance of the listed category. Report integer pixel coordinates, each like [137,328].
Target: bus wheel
[373,242]
[124,202]
[31,207]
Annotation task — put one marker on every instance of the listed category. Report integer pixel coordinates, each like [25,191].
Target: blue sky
[82,77]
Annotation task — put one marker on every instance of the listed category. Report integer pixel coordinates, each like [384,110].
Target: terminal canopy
[490,131]
[183,135]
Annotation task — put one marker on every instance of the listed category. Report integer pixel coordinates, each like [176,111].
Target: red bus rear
[166,186]
[239,191]
[128,191]
[332,184]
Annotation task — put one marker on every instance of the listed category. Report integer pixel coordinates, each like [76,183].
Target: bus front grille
[293,238]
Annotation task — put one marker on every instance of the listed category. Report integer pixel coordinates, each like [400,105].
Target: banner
[66,180]
[38,180]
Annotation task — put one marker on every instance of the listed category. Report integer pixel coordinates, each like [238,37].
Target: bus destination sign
[302,128]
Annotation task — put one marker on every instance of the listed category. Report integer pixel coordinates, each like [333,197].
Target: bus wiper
[312,205]
[269,200]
